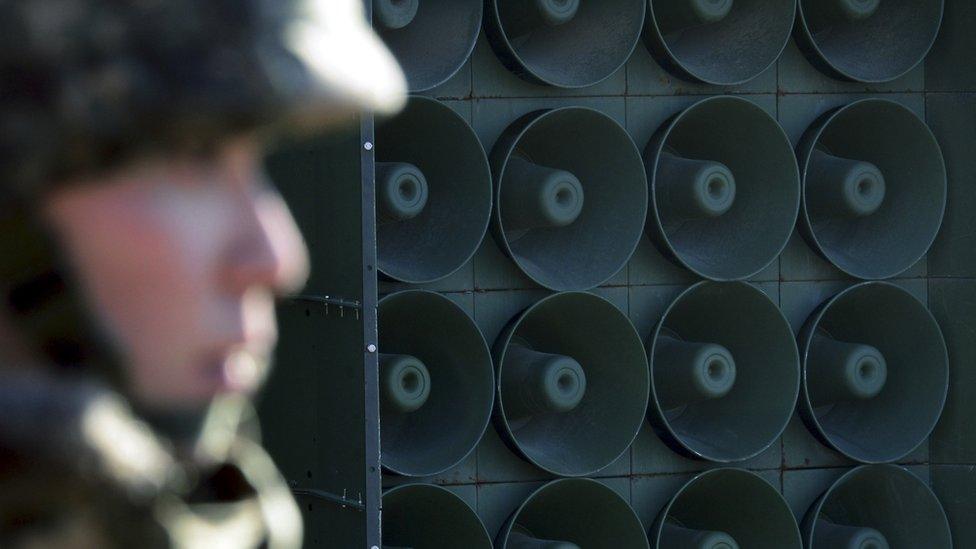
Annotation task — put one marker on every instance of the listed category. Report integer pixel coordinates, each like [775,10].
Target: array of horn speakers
[718,509]
[719,380]
[877,507]
[719,190]
[868,507]
[724,194]
[579,43]
[571,369]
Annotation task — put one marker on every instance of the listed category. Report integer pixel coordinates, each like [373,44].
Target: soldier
[140,252]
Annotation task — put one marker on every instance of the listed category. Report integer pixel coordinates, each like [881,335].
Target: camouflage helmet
[86,84]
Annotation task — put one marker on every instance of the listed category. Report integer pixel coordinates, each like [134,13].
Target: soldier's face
[180,259]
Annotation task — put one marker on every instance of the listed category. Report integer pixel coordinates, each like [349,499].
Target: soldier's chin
[242,372]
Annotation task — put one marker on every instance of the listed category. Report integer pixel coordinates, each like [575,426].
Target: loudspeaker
[564,43]
[719,42]
[726,509]
[431,39]
[436,383]
[424,516]
[875,370]
[725,372]
[573,514]
[572,384]
[725,189]
[433,193]
[868,41]
[876,507]
[874,188]
[570,196]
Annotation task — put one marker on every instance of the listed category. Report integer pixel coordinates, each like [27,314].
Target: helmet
[85,84]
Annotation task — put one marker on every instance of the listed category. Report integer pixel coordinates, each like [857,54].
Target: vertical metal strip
[371,375]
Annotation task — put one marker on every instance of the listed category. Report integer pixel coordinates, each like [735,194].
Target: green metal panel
[319,419]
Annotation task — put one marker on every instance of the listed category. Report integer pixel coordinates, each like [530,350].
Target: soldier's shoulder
[71,469]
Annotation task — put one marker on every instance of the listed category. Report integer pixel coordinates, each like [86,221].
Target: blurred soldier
[140,253]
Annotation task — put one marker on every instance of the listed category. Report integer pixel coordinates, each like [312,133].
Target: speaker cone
[726,509]
[570,197]
[877,507]
[874,188]
[720,42]
[868,41]
[725,189]
[436,383]
[430,517]
[876,372]
[433,193]
[571,372]
[564,43]
[431,39]
[724,372]
[573,514]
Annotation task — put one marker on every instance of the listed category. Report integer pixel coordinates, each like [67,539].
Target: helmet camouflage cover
[85,84]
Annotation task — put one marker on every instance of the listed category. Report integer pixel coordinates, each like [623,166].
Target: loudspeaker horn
[719,42]
[874,188]
[725,189]
[573,514]
[430,517]
[564,43]
[433,193]
[870,41]
[570,197]
[436,383]
[726,509]
[877,507]
[875,370]
[431,39]
[572,384]
[725,372]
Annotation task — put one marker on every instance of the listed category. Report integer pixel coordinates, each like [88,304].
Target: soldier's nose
[270,252]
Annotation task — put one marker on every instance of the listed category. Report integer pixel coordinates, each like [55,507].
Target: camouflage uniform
[86,85]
